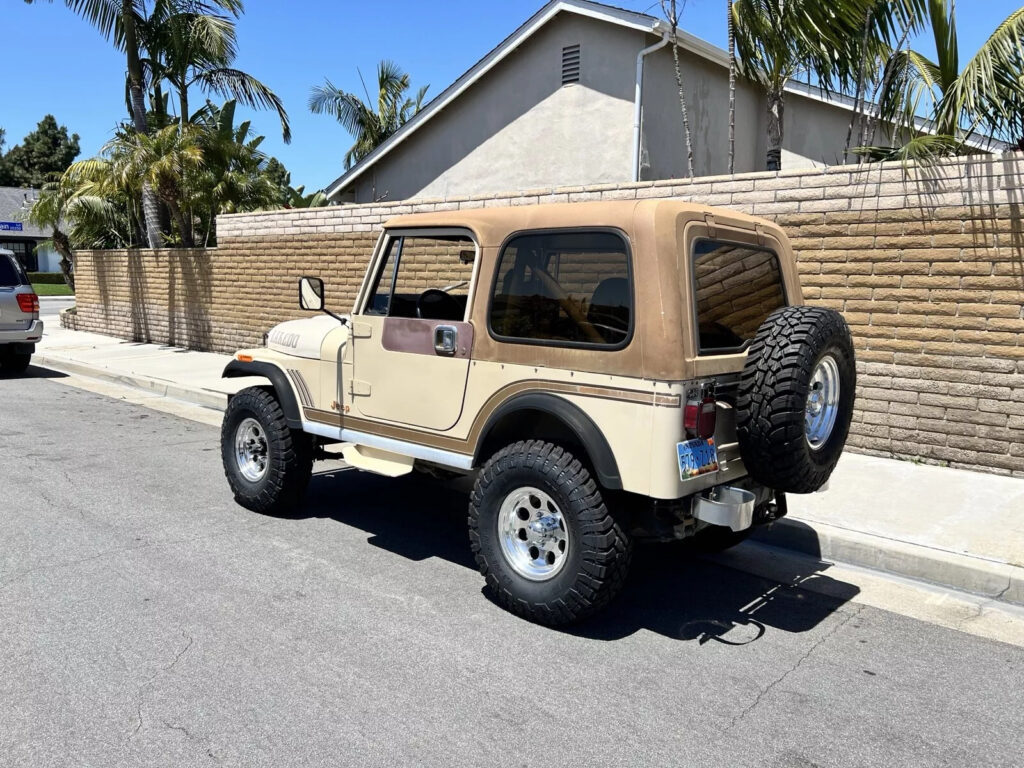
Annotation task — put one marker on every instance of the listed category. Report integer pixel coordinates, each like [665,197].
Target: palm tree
[162,160]
[370,127]
[81,214]
[887,26]
[119,20]
[780,39]
[233,175]
[987,93]
[188,48]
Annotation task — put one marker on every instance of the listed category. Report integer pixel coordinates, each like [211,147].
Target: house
[28,242]
[585,93]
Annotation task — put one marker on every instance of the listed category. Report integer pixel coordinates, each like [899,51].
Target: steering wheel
[435,304]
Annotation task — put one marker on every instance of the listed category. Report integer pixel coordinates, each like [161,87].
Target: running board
[377,461]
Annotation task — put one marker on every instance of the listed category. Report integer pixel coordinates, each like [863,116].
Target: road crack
[799,662]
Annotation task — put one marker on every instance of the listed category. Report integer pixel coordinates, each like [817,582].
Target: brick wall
[926,264]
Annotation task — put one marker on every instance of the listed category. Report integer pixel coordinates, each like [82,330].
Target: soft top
[494,225]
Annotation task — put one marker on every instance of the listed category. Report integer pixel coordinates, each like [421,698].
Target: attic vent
[571,64]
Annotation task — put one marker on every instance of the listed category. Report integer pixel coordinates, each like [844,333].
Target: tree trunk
[682,108]
[62,245]
[858,101]
[179,219]
[138,100]
[776,114]
[732,92]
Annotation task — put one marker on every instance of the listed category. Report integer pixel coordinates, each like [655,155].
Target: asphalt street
[146,619]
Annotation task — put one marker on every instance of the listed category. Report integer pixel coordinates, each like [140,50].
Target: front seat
[610,309]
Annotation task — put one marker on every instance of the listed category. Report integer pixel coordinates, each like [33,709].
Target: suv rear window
[568,288]
[10,272]
[737,287]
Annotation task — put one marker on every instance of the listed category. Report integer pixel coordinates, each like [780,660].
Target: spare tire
[795,400]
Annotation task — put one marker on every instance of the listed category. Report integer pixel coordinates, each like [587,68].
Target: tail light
[28,302]
[700,413]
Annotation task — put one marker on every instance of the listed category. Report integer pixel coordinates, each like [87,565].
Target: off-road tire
[772,398]
[601,549]
[289,451]
[14,362]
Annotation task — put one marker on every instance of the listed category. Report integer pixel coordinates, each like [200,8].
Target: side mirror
[311,294]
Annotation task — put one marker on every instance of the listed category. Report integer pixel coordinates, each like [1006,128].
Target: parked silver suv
[20,326]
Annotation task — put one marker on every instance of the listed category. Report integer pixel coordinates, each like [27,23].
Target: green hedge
[46,278]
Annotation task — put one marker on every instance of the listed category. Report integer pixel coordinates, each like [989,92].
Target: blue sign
[10,226]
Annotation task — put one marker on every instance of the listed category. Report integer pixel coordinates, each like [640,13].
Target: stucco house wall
[518,127]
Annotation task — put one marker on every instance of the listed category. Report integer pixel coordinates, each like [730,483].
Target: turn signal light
[28,302]
[244,358]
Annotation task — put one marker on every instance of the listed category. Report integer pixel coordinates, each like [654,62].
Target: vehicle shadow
[33,372]
[671,590]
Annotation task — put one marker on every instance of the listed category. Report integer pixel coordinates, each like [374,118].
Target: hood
[301,338]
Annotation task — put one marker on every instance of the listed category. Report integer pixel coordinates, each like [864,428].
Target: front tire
[267,464]
[543,539]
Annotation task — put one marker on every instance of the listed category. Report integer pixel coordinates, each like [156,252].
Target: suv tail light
[28,302]
[700,416]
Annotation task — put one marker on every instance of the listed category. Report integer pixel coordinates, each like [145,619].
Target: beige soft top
[493,225]
[664,345]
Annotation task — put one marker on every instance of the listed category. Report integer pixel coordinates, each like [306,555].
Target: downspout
[638,98]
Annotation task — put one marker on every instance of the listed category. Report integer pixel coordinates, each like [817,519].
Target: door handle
[446,340]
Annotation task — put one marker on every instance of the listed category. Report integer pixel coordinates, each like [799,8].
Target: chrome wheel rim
[533,534]
[251,450]
[822,402]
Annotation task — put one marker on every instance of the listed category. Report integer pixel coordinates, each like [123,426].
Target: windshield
[11,273]
[737,287]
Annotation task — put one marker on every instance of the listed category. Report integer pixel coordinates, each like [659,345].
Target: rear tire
[548,547]
[14,362]
[267,464]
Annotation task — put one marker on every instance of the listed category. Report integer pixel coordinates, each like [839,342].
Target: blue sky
[52,62]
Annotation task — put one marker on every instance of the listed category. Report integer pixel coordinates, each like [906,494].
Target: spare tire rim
[251,450]
[822,402]
[533,535]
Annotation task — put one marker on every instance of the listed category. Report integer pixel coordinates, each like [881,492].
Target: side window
[737,287]
[426,277]
[564,288]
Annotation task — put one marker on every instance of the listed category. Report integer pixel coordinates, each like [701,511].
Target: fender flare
[282,388]
[574,418]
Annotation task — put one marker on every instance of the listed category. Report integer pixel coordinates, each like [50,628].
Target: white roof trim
[621,17]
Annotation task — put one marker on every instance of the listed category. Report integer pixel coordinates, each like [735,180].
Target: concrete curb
[195,395]
[967,573]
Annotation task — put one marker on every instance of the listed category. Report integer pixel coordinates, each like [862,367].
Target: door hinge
[361,330]
[359,388]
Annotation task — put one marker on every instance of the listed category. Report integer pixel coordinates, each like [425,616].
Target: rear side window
[10,272]
[564,289]
[737,287]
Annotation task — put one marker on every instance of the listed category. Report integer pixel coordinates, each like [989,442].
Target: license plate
[697,457]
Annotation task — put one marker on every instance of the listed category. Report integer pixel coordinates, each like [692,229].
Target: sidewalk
[950,527]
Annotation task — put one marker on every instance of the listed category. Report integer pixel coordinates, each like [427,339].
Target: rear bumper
[31,335]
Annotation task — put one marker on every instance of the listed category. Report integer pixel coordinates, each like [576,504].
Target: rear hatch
[14,283]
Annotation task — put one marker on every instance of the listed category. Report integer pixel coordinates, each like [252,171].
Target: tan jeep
[603,371]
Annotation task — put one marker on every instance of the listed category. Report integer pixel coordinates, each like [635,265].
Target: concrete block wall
[926,263]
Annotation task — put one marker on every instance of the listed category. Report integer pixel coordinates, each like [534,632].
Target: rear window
[10,272]
[737,287]
[566,288]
